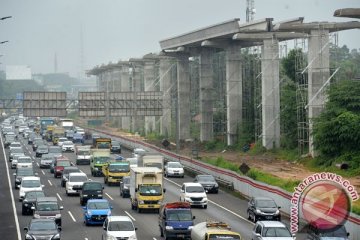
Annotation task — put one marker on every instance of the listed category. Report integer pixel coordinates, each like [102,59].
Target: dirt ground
[268,164]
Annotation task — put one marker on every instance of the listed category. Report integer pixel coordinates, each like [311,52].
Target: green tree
[337,129]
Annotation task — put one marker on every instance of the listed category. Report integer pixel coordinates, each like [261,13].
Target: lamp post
[3,18]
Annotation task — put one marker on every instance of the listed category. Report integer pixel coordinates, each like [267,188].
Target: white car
[75,179]
[61,141]
[174,169]
[194,193]
[24,162]
[15,145]
[119,227]
[271,230]
[15,159]
[68,146]
[29,184]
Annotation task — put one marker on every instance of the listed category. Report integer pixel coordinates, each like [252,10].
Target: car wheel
[254,218]
[23,211]
[205,207]
[121,194]
[81,202]
[249,217]
[139,210]
[67,193]
[161,232]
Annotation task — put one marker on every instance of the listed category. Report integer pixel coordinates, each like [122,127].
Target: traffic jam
[69,183]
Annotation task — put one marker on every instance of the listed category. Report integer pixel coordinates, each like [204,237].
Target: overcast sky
[121,29]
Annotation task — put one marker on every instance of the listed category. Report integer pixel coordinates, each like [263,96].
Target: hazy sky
[121,29]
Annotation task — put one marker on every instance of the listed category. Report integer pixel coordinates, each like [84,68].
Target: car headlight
[132,237]
[258,211]
[96,169]
[126,187]
[36,215]
[169,228]
[18,180]
[57,236]
[100,195]
[109,237]
[85,195]
[277,212]
[190,227]
[216,185]
[187,199]
[58,215]
[109,213]
[28,237]
[88,212]
[204,199]
[141,202]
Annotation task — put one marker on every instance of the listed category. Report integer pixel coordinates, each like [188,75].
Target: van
[89,190]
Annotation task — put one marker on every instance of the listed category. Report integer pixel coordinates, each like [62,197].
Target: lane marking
[86,239]
[154,238]
[49,182]
[38,164]
[130,216]
[218,205]
[72,216]
[11,192]
[43,172]
[109,196]
[58,196]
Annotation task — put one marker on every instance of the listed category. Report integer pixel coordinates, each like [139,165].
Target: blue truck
[176,220]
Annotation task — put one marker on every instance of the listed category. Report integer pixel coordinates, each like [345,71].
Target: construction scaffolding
[301,79]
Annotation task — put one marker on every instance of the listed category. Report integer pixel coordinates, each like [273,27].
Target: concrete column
[149,85]
[318,74]
[116,81]
[137,122]
[233,92]
[206,95]
[125,87]
[183,98]
[270,94]
[165,87]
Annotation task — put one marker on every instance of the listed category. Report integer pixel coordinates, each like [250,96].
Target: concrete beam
[261,25]
[280,36]
[308,27]
[347,12]
[294,21]
[218,30]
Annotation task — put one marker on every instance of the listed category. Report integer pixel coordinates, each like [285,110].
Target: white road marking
[154,238]
[49,182]
[109,196]
[58,196]
[38,164]
[11,192]
[218,205]
[72,216]
[86,239]
[130,216]
[43,172]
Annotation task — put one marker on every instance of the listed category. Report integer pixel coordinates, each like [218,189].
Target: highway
[222,207]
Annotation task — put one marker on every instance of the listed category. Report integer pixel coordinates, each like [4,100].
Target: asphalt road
[222,207]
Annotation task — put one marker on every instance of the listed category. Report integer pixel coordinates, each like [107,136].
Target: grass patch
[356,207]
[221,162]
[260,176]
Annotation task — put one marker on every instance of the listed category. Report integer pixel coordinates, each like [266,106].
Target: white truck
[213,230]
[146,188]
[152,160]
[83,155]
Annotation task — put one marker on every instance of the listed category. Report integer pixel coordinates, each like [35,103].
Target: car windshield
[119,167]
[174,165]
[15,145]
[68,144]
[47,206]
[120,226]
[207,178]
[223,237]
[265,204]
[83,152]
[100,160]
[24,160]
[98,205]
[17,150]
[195,189]
[62,139]
[24,172]
[339,232]
[103,145]
[34,194]
[276,232]
[30,183]
[63,163]
[43,147]
[179,215]
[55,150]
[150,190]
[78,179]
[70,170]
[92,186]
[153,164]
[42,226]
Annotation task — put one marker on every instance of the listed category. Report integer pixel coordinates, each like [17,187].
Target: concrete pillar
[116,87]
[318,74]
[165,87]
[183,98]
[149,86]
[270,94]
[206,95]
[233,92]
[137,122]
[125,87]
